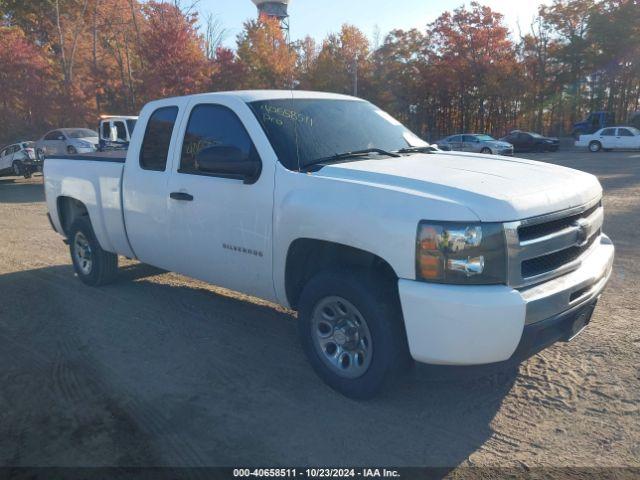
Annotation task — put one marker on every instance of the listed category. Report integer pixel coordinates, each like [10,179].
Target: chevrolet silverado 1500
[389,249]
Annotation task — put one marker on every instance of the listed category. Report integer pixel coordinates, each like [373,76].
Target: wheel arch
[307,256]
[69,209]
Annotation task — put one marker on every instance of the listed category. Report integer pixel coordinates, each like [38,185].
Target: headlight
[83,144]
[461,253]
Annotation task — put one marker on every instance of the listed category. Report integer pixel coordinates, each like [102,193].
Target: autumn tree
[400,66]
[173,52]
[476,67]
[227,71]
[267,58]
[343,64]
[26,87]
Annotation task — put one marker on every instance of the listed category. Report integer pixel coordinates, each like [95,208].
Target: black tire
[71,150]
[17,168]
[486,151]
[378,304]
[595,146]
[104,265]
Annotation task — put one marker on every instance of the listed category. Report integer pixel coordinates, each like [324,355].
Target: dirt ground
[161,370]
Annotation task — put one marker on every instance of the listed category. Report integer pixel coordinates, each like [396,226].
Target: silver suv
[477,143]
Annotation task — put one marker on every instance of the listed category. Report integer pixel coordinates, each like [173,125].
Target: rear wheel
[351,329]
[93,265]
[595,146]
[486,151]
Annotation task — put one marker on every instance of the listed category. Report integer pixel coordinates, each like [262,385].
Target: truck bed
[95,180]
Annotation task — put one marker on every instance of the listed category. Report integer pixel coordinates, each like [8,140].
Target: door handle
[181,196]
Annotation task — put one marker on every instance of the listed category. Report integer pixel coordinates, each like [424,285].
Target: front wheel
[93,265]
[595,147]
[71,150]
[486,151]
[351,329]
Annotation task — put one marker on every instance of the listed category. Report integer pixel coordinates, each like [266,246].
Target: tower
[274,9]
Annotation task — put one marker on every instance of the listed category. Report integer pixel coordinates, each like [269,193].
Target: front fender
[378,220]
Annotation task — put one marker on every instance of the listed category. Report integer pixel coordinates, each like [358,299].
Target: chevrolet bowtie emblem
[583,231]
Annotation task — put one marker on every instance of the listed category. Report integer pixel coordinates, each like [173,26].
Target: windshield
[131,124]
[302,131]
[485,138]
[81,133]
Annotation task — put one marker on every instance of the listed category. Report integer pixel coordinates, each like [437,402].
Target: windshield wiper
[426,149]
[346,155]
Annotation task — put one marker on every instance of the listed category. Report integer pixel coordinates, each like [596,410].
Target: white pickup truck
[388,248]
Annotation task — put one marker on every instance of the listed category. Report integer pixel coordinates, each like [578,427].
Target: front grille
[543,248]
[546,263]
[528,232]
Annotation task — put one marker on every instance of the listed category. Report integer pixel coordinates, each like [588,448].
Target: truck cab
[594,122]
[391,250]
[115,132]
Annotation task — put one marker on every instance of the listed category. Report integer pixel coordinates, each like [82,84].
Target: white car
[67,141]
[611,138]
[17,159]
[389,249]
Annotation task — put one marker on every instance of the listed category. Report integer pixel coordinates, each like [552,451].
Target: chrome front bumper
[573,289]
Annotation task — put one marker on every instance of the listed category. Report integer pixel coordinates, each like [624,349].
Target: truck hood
[495,189]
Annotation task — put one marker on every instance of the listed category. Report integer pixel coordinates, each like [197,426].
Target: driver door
[221,227]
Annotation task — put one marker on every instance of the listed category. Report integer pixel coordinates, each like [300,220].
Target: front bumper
[475,325]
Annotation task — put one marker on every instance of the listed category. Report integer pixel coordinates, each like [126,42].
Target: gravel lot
[161,370]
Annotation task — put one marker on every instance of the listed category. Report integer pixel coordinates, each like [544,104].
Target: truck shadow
[149,371]
[19,190]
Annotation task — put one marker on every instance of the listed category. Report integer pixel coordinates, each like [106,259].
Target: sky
[318,18]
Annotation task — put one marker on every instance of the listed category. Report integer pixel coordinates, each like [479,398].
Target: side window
[608,132]
[468,138]
[52,135]
[623,132]
[122,130]
[213,125]
[457,138]
[106,131]
[157,139]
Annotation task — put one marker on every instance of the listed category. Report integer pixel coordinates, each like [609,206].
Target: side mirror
[113,134]
[228,161]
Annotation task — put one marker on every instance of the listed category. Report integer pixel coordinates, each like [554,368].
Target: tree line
[64,62]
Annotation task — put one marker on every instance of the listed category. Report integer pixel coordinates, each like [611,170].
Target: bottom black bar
[214,473]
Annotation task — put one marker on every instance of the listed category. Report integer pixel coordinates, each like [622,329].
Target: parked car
[67,141]
[475,143]
[594,122]
[388,248]
[19,159]
[115,132]
[531,142]
[611,138]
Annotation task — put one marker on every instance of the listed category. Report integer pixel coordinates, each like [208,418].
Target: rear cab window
[157,139]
